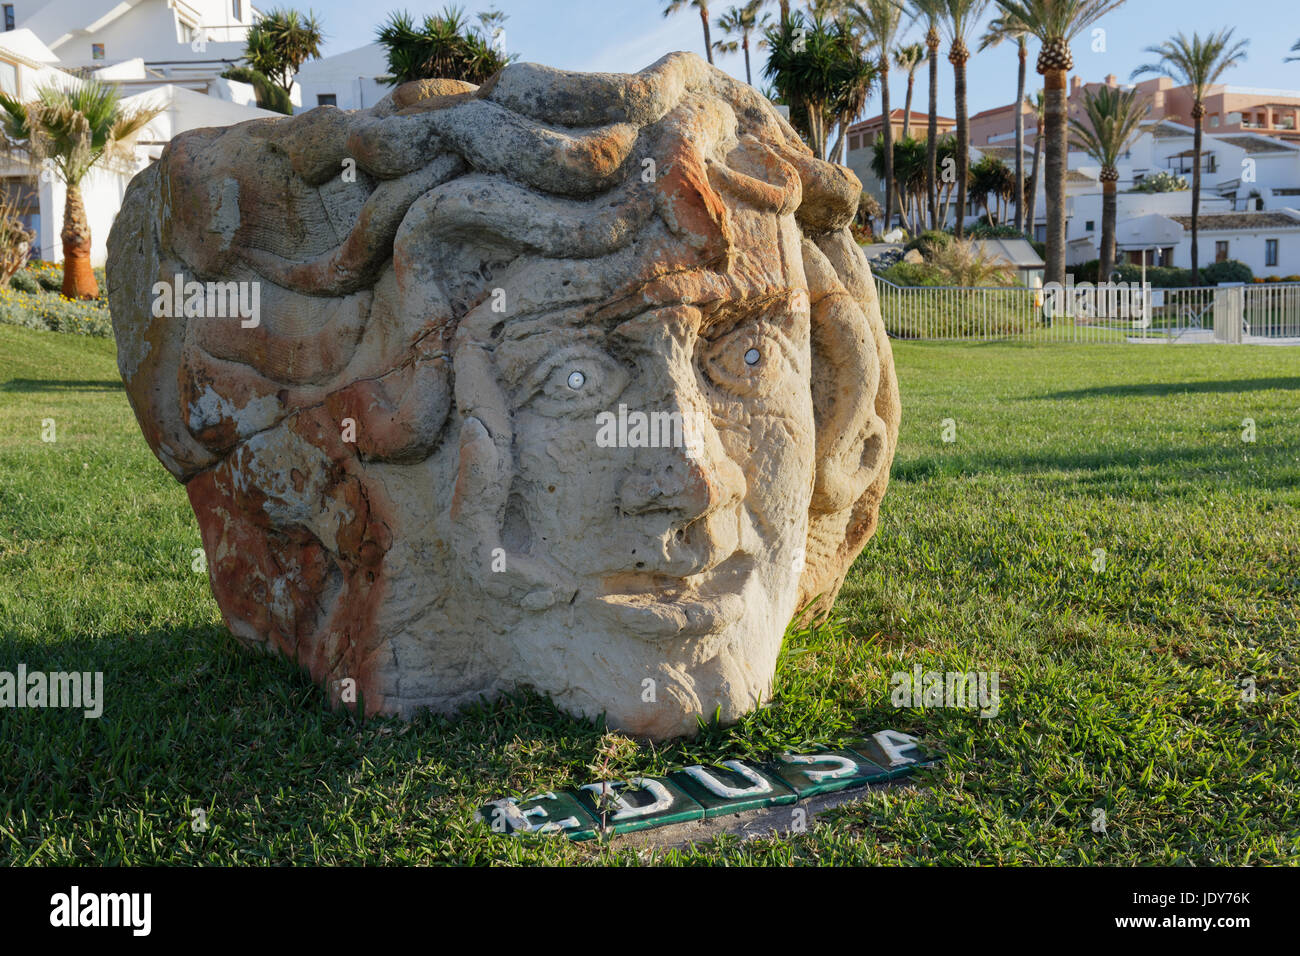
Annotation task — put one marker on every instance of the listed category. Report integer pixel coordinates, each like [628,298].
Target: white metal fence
[1261,312]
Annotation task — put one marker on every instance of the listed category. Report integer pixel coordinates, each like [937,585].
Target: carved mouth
[656,606]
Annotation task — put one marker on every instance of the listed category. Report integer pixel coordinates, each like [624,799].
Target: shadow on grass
[1176,388]
[61,385]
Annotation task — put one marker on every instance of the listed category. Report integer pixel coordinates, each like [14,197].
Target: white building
[140,30]
[351,80]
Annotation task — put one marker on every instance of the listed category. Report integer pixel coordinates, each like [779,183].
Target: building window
[235,8]
[1090,225]
[1270,252]
[1221,250]
[9,78]
[1167,256]
[9,17]
[1214,120]
[326,99]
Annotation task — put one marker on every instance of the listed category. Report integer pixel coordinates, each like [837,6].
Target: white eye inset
[752,357]
[577,380]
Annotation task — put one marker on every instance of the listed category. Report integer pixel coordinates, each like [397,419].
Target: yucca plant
[1055,23]
[963,263]
[281,42]
[443,46]
[1199,63]
[73,131]
[1110,120]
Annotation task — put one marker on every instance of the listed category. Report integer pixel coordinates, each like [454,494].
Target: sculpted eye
[748,360]
[572,382]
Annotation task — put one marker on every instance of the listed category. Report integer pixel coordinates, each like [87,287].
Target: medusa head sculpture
[569,381]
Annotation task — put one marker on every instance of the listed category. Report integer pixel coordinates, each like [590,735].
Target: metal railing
[1118,314]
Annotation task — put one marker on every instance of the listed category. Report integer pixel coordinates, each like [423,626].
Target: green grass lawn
[1120,690]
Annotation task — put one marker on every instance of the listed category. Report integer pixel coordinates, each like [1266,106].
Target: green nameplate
[811,774]
[638,804]
[543,813]
[733,787]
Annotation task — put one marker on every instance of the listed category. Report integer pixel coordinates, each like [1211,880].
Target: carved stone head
[570,381]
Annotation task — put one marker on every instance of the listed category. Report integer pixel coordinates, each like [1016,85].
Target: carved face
[663,469]
[556,424]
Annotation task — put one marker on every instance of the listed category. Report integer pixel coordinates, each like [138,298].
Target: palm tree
[1055,23]
[946,153]
[703,7]
[880,21]
[282,41]
[1295,48]
[960,16]
[1006,27]
[75,130]
[1197,63]
[931,11]
[742,22]
[1110,121]
[1036,104]
[909,178]
[819,78]
[909,57]
[991,182]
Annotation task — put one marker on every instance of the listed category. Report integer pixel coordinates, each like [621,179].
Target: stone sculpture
[570,381]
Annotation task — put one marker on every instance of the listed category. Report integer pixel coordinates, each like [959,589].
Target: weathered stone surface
[400,472]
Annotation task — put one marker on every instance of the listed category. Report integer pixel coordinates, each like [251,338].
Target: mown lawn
[1120,689]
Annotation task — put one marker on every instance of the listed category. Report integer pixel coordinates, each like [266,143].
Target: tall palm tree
[991,185]
[1110,121]
[703,7]
[960,17]
[1055,23]
[742,22]
[909,56]
[880,21]
[75,130]
[931,11]
[1198,63]
[1036,103]
[1007,27]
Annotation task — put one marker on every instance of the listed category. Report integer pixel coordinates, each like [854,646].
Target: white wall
[1247,247]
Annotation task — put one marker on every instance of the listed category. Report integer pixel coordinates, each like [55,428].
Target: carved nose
[690,485]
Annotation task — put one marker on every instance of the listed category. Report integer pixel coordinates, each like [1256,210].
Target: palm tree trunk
[1032,187]
[78,278]
[907,106]
[1054,123]
[1198,117]
[887,130]
[785,10]
[958,58]
[932,129]
[1109,204]
[1023,53]
[749,77]
[708,41]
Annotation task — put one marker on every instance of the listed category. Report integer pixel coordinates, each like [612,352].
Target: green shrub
[1158,277]
[1230,270]
[24,281]
[929,242]
[910,273]
[982,230]
[54,313]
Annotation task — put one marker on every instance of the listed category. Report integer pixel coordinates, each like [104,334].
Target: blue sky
[626,35]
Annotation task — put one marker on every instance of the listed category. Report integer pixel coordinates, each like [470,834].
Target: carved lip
[657,606]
